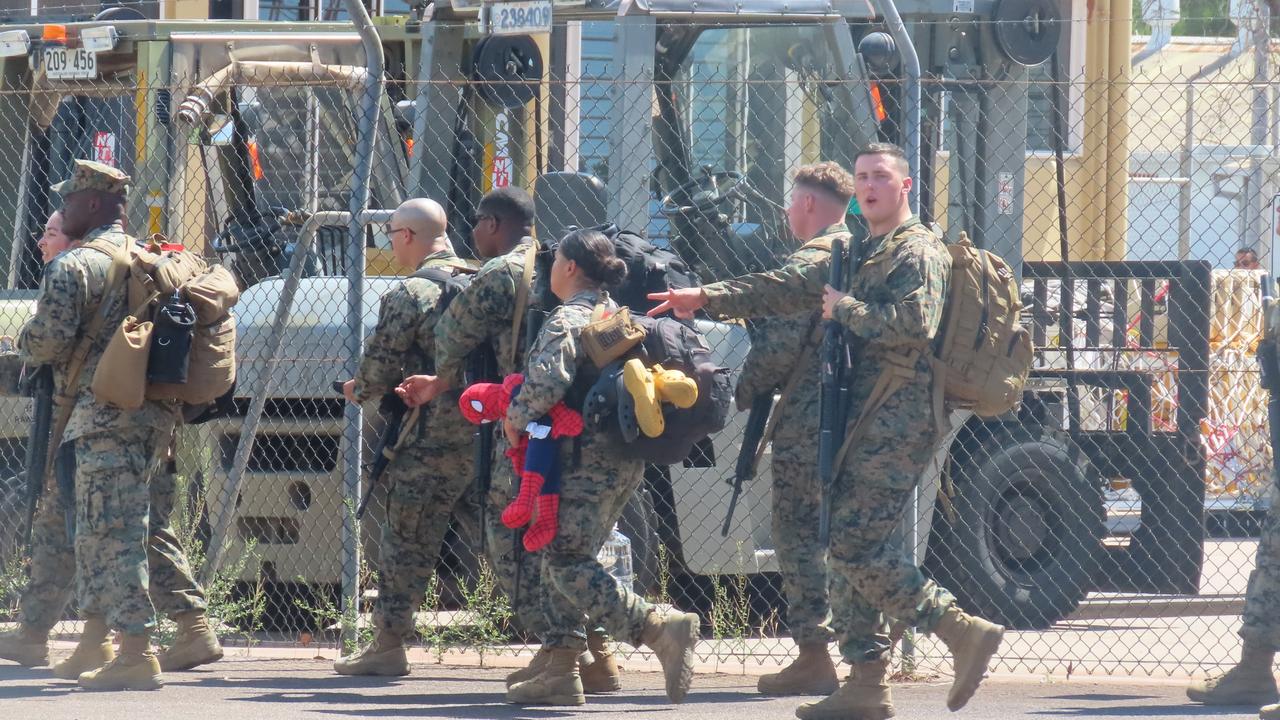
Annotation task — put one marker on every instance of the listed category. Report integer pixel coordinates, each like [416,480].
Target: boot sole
[866,714]
[560,700]
[210,658]
[156,685]
[372,673]
[990,644]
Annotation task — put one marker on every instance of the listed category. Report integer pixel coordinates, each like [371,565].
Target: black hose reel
[507,70]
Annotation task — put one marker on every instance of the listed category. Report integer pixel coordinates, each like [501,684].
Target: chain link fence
[1111,523]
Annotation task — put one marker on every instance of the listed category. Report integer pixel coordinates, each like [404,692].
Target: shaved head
[425,217]
[417,229]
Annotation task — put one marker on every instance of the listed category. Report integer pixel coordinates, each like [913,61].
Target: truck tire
[1022,537]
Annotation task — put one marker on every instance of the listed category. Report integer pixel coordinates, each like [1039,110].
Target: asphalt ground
[287,689]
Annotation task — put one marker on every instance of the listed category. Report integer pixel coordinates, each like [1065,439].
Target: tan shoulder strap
[522,300]
[66,400]
[899,369]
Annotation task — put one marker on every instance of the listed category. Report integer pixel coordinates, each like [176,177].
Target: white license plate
[519,18]
[70,63]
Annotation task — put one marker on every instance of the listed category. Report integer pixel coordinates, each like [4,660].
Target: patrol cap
[92,175]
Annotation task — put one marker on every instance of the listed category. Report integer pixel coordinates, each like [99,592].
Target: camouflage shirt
[70,295]
[404,342]
[483,312]
[897,295]
[796,286]
[555,358]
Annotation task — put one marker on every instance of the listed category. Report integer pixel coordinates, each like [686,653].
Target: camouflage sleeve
[551,368]
[480,312]
[907,308]
[792,287]
[382,366]
[50,334]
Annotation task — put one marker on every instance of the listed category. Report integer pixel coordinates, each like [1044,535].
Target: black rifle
[745,469]
[831,429]
[39,385]
[482,366]
[393,409]
[64,472]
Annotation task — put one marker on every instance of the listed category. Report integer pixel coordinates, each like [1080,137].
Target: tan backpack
[158,270]
[984,354]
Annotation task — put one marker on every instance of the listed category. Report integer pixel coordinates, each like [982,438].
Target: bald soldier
[433,459]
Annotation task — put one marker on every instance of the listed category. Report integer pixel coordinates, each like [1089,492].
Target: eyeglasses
[475,220]
[391,231]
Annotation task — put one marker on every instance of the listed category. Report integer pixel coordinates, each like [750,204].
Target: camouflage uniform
[1261,618]
[777,349]
[434,464]
[115,449]
[898,296]
[483,313]
[594,491]
[173,588]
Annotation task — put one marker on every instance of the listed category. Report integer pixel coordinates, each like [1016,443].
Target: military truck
[481,95]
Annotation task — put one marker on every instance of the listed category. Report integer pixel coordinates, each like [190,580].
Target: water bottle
[615,556]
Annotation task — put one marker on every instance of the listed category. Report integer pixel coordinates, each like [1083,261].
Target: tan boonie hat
[91,175]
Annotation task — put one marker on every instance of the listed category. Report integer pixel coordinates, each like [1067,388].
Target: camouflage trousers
[870,498]
[797,497]
[424,482]
[576,589]
[112,536]
[1262,599]
[172,586]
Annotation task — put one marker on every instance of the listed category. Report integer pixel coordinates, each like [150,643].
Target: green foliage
[487,617]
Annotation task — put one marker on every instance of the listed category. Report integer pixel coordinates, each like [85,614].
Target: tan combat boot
[1269,712]
[195,644]
[92,652]
[135,668]
[864,696]
[972,641]
[384,656]
[672,639]
[557,684]
[812,673]
[600,672]
[25,645]
[530,671]
[1248,683]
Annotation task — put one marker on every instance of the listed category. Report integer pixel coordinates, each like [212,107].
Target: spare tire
[1021,539]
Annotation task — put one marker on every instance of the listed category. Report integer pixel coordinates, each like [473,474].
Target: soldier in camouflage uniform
[783,347]
[596,485]
[485,313]
[52,569]
[116,450]
[433,464]
[892,309]
[1251,681]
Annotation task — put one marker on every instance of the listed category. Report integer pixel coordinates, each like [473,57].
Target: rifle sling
[788,388]
[522,300]
[65,401]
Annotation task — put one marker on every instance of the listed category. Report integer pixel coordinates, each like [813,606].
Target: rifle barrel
[831,419]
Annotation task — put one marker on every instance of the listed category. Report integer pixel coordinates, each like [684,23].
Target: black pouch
[175,324]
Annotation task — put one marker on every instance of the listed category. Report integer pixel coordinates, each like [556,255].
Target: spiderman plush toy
[536,458]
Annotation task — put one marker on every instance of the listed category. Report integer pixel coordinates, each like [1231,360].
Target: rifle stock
[832,420]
